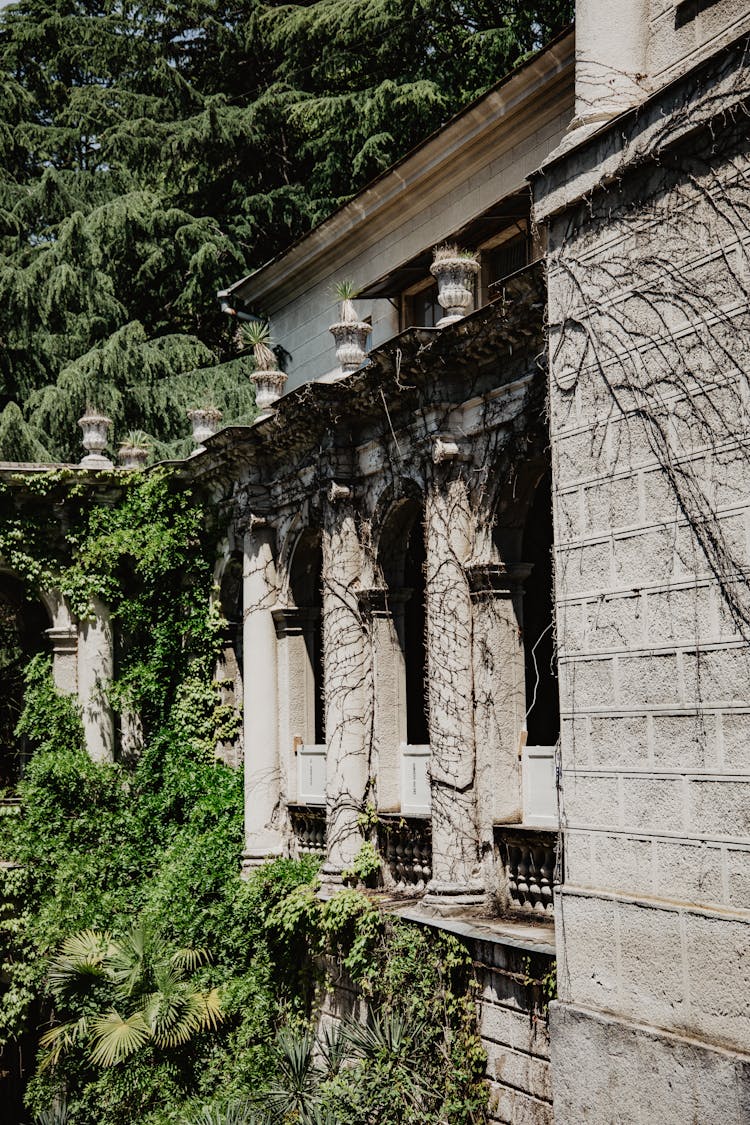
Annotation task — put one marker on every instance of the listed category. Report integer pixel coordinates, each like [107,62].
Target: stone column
[348,692]
[64,641]
[263,836]
[456,869]
[611,58]
[95,673]
[385,610]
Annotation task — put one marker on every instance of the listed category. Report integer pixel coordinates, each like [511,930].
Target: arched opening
[523,538]
[23,633]
[305,585]
[301,688]
[401,642]
[540,665]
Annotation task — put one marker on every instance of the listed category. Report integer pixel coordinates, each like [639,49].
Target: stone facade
[555,484]
[649,333]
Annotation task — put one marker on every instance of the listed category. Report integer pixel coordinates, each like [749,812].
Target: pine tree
[152,154]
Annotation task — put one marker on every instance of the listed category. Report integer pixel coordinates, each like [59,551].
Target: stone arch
[305,593]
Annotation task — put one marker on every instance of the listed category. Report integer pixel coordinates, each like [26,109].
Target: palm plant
[125,994]
[257,335]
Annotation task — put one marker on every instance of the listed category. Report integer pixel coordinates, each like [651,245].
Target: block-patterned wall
[650,352]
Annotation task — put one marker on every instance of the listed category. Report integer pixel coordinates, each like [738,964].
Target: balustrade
[530,860]
[406,845]
[309,827]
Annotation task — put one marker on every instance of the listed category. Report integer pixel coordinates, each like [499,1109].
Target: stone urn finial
[95,426]
[350,333]
[455,270]
[268,379]
[205,422]
[134,450]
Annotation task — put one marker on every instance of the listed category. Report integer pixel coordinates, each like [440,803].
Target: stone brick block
[738,877]
[659,497]
[731,476]
[684,741]
[591,800]
[519,1071]
[611,504]
[578,868]
[571,629]
[575,738]
[634,1073]
[618,740]
[651,964]
[583,570]
[586,684]
[588,970]
[568,511]
[719,807]
[501,1025]
[653,804]
[645,558]
[649,679]
[622,863]
[512,1107]
[582,455]
[735,737]
[689,872]
[718,676]
[685,616]
[614,623]
[718,965]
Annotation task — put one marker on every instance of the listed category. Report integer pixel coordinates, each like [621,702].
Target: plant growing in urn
[134,450]
[455,270]
[350,333]
[268,379]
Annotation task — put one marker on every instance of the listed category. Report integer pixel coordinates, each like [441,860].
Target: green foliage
[365,865]
[130,1024]
[152,154]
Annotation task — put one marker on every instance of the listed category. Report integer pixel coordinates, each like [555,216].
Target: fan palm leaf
[115,1038]
[59,1039]
[82,960]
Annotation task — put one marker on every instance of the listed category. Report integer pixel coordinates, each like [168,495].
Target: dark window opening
[415,638]
[231,611]
[689,10]
[306,582]
[542,695]
[23,625]
[425,309]
[509,257]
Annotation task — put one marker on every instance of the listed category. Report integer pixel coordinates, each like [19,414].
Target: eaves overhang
[544,78]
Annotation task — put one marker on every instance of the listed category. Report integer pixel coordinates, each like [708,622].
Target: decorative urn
[95,426]
[455,271]
[269,385]
[132,456]
[205,422]
[349,332]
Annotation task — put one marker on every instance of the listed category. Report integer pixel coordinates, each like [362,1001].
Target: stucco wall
[649,343]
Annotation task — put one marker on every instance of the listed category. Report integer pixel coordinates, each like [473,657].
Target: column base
[254,858]
[444,898]
[331,880]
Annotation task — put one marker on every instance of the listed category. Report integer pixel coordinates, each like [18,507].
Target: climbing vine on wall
[154,841]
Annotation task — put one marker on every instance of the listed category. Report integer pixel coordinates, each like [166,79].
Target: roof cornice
[510,104]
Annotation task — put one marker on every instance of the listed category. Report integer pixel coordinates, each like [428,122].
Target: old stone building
[486,584]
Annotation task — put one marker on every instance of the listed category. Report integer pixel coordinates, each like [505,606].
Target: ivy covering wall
[122,903]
